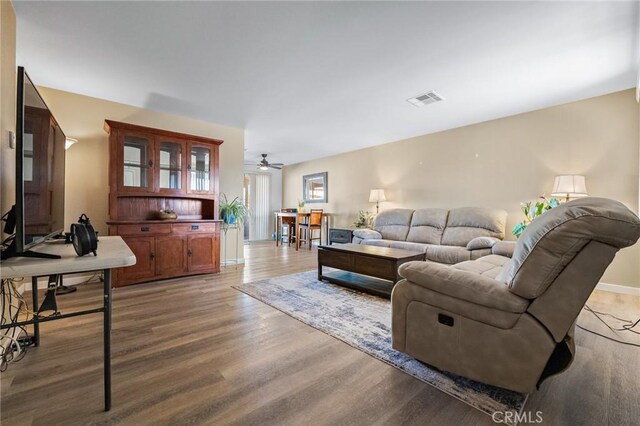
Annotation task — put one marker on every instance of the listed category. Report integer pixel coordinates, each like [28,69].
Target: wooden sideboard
[152,170]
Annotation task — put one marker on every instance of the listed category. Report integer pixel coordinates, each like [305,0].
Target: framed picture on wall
[314,188]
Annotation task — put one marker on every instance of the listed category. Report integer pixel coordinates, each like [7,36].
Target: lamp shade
[569,186]
[377,195]
[69,142]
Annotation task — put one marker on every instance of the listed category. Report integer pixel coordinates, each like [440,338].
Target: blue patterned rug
[364,322]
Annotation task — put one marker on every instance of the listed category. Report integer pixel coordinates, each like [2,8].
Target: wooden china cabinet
[152,170]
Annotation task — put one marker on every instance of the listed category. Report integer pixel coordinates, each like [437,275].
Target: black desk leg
[34,308]
[107,339]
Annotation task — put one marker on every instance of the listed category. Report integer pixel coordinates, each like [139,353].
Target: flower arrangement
[365,219]
[531,211]
[301,206]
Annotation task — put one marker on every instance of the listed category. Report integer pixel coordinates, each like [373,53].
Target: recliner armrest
[504,248]
[367,234]
[482,243]
[463,285]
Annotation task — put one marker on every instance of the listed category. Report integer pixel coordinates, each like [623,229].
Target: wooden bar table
[113,252]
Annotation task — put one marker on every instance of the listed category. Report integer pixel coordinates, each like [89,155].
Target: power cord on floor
[628,325]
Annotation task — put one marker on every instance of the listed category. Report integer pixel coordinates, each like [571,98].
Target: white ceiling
[310,79]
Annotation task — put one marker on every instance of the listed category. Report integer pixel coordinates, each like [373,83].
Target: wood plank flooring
[196,351]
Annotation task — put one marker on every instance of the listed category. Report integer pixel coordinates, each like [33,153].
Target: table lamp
[569,186]
[375,196]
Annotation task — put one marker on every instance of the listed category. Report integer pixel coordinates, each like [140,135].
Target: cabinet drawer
[334,259]
[187,228]
[375,267]
[144,229]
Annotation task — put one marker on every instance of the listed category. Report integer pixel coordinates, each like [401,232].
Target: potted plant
[365,219]
[232,212]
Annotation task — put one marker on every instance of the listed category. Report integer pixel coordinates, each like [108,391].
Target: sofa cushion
[552,241]
[393,224]
[427,226]
[488,266]
[467,223]
[407,245]
[447,254]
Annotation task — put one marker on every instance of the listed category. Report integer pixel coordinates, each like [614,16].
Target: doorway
[257,198]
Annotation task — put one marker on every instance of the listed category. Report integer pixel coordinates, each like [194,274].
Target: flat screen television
[40,166]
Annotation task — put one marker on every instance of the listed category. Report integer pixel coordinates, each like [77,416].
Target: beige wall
[87,185]
[498,163]
[7,103]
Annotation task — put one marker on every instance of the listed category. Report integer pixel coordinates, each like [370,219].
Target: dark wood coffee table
[362,267]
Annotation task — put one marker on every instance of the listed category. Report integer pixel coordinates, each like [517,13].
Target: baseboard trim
[232,262]
[615,288]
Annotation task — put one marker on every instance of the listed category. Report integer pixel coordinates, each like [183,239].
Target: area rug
[364,322]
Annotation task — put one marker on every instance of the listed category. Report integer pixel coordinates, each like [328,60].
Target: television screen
[40,166]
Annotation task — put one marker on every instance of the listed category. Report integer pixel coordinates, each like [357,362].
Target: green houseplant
[365,219]
[234,211]
[531,211]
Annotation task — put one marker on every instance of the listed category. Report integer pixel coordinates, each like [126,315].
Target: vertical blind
[261,205]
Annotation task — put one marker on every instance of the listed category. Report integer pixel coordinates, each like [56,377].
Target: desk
[112,253]
[297,217]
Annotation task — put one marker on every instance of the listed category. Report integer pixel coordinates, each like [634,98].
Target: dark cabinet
[152,170]
[340,235]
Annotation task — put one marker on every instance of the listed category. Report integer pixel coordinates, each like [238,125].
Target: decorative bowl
[167,215]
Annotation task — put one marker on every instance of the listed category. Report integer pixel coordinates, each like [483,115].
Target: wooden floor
[196,351]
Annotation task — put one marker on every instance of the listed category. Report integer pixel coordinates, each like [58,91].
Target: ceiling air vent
[425,99]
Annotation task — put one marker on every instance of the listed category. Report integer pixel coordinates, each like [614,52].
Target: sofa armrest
[463,285]
[504,248]
[367,234]
[482,243]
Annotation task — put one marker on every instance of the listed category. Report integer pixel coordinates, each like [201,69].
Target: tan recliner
[509,322]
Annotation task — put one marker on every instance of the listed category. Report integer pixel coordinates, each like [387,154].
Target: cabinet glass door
[171,155]
[137,162]
[200,169]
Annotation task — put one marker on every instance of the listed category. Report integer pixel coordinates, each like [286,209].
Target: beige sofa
[446,236]
[509,322]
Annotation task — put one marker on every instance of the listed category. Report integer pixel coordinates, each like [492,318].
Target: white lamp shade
[69,142]
[569,186]
[377,195]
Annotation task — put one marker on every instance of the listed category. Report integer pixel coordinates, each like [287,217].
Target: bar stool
[288,225]
[314,224]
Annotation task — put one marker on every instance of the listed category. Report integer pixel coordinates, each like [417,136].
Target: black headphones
[84,237]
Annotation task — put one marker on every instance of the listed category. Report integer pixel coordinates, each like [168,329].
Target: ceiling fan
[266,165]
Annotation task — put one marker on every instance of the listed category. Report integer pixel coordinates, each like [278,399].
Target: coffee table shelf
[366,268]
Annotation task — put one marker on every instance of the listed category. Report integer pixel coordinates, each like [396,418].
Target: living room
[523,95]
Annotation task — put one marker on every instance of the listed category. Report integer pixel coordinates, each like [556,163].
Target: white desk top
[112,253]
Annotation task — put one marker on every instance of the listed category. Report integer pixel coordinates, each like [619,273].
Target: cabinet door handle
[150,163]
[152,255]
[188,166]
[144,229]
[189,252]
